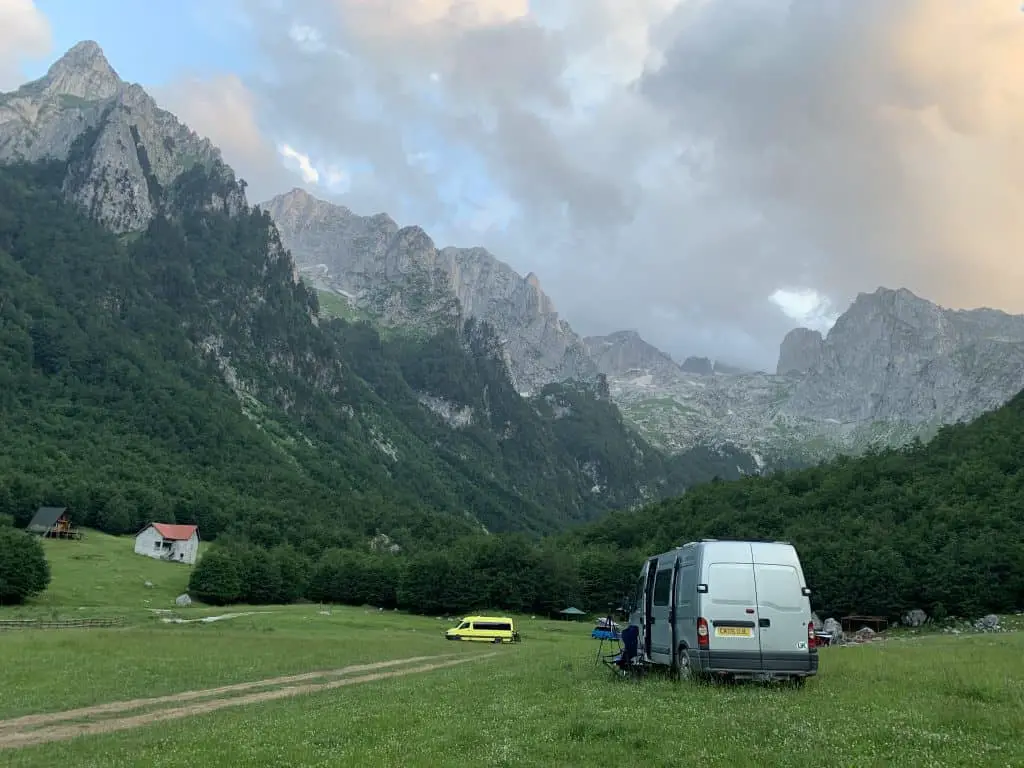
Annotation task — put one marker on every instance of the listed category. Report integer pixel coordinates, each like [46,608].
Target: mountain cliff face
[121,151]
[894,357]
[399,276]
[624,352]
[894,366]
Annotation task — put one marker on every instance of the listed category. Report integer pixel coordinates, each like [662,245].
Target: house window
[156,545]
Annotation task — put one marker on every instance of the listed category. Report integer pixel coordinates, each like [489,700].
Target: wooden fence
[114,621]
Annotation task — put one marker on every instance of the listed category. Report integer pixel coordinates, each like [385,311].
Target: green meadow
[911,700]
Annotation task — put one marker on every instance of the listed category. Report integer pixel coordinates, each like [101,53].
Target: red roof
[175,532]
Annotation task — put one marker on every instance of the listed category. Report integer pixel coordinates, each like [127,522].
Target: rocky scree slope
[416,438]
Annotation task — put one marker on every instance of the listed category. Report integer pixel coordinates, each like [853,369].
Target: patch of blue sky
[154,41]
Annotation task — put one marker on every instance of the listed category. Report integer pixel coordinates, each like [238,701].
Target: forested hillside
[937,526]
[183,374]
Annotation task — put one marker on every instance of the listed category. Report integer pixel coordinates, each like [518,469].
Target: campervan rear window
[493,625]
[663,586]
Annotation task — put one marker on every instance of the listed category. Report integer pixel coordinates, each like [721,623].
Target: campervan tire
[682,666]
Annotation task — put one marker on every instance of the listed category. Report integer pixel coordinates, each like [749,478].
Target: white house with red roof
[163,541]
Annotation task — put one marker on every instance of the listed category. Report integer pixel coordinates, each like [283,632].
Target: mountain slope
[186,372]
[894,366]
[403,279]
[937,526]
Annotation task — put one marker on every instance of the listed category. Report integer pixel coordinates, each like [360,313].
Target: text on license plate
[734,632]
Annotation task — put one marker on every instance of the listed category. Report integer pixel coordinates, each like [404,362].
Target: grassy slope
[914,700]
[101,575]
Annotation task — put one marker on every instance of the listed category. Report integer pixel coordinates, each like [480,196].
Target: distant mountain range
[161,357]
[894,365]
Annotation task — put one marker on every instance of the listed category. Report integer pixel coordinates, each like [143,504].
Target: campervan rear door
[782,608]
[731,607]
[661,611]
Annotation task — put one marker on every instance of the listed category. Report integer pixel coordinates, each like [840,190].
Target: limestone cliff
[894,366]
[895,357]
[120,149]
[625,353]
[403,278]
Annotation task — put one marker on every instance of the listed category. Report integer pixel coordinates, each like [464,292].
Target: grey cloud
[814,144]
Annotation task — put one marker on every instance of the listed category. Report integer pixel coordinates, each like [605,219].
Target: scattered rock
[987,623]
[915,618]
[149,584]
[183,601]
[864,634]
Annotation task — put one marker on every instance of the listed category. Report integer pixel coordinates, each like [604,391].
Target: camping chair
[626,659]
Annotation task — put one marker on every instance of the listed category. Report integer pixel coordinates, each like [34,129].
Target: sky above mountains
[708,172]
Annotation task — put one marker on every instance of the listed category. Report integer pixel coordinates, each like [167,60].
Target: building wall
[146,541]
[186,551]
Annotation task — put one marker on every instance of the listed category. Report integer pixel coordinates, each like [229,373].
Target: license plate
[734,632]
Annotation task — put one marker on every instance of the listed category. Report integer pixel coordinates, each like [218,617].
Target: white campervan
[731,608]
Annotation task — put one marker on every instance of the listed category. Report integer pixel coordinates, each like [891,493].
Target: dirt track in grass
[31,730]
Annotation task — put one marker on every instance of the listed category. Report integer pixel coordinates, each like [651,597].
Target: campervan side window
[663,586]
[503,625]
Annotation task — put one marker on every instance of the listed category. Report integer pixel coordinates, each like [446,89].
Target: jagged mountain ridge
[403,278]
[862,386]
[391,433]
[894,366]
[121,149]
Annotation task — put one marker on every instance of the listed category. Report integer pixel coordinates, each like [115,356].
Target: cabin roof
[175,532]
[45,518]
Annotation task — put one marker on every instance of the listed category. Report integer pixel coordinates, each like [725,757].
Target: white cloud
[807,307]
[680,156]
[24,34]
[295,159]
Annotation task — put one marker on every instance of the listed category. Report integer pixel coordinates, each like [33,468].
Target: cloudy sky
[708,172]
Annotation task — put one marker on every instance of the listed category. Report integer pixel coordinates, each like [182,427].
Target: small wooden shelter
[53,523]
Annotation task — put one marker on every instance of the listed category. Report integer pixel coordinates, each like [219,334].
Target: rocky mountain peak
[122,152]
[900,304]
[626,353]
[801,351]
[401,276]
[83,72]
[702,366]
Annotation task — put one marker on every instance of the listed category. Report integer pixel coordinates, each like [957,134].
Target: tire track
[16,739]
[116,707]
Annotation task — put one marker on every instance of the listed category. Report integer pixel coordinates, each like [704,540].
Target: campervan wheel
[682,667]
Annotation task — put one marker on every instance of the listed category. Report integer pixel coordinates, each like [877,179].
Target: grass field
[101,575]
[928,700]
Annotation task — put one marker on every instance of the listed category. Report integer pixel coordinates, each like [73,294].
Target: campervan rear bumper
[754,663]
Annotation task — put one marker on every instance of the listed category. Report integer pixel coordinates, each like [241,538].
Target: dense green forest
[937,526]
[183,374]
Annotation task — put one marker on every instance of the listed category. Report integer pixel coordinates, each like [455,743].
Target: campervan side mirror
[702,588]
[805,591]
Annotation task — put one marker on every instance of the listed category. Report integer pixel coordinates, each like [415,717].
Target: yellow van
[485,629]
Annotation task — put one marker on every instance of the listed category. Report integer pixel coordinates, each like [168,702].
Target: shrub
[24,571]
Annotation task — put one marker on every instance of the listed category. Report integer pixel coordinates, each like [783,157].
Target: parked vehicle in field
[485,629]
[737,609]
